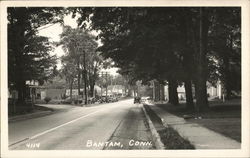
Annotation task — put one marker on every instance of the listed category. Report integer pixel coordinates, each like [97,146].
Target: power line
[45,27]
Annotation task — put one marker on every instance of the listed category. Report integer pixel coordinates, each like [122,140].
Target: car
[70,101]
[102,99]
[92,100]
[66,101]
[145,99]
[137,100]
[115,99]
[112,99]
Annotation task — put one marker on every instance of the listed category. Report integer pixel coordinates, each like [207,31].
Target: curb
[198,144]
[28,116]
[156,137]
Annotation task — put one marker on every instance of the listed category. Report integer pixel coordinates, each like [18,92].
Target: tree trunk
[18,50]
[201,78]
[227,78]
[101,92]
[21,89]
[125,89]
[130,91]
[162,94]
[92,85]
[20,80]
[156,91]
[188,60]
[172,90]
[78,78]
[189,95]
[201,96]
[92,81]
[71,87]
[85,80]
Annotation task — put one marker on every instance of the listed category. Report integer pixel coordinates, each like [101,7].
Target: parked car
[74,100]
[145,99]
[102,99]
[77,101]
[66,101]
[137,100]
[92,100]
[115,99]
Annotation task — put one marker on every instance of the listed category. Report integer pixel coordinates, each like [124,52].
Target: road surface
[119,125]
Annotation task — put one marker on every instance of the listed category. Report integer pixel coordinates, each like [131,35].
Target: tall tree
[94,65]
[81,47]
[68,71]
[168,43]
[225,48]
[201,61]
[28,53]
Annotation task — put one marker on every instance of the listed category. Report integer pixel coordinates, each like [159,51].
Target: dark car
[92,100]
[137,100]
[103,99]
[67,101]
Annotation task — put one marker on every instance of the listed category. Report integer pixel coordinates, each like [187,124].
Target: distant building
[40,92]
[97,91]
[113,90]
[160,92]
[214,91]
[74,92]
[181,92]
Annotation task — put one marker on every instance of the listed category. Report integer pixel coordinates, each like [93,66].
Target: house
[160,92]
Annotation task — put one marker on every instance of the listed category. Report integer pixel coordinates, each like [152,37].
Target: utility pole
[111,85]
[101,90]
[104,83]
[79,52]
[85,78]
[82,52]
[106,86]
[78,80]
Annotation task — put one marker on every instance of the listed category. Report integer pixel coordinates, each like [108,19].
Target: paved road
[77,128]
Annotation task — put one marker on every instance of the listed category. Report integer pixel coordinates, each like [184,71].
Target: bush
[47,99]
[172,139]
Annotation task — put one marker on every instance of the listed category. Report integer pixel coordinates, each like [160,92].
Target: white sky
[53,32]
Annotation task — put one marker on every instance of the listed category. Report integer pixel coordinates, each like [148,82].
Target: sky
[53,33]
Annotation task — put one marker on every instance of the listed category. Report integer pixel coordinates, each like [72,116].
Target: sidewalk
[199,136]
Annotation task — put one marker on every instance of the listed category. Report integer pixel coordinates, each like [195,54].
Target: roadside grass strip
[169,137]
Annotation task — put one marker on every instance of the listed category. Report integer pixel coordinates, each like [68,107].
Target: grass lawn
[22,110]
[223,117]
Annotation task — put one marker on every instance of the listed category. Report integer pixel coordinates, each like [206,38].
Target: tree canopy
[82,57]
[28,53]
[169,44]
[174,44]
